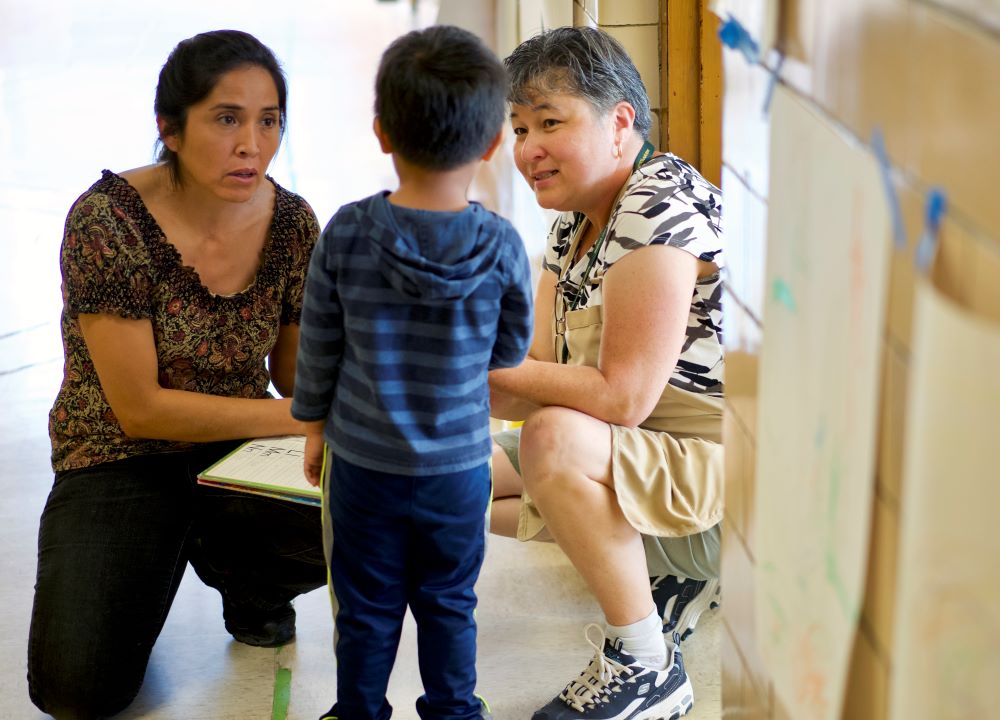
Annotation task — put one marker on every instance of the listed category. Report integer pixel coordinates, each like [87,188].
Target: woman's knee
[73,672]
[548,432]
[560,442]
[68,693]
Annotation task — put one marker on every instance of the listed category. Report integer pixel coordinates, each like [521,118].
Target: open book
[266,466]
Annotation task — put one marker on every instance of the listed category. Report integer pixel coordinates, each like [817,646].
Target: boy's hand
[313,460]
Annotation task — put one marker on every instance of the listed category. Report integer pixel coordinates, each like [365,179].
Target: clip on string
[934,209]
[898,231]
[735,37]
[775,76]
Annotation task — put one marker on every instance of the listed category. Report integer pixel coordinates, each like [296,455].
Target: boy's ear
[497,142]
[383,139]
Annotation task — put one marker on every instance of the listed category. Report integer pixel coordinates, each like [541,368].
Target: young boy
[412,296]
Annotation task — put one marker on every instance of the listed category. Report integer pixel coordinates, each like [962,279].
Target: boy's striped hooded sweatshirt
[404,313]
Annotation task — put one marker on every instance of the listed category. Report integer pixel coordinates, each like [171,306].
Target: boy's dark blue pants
[403,541]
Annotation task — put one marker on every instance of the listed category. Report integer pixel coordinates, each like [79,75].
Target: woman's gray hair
[581,61]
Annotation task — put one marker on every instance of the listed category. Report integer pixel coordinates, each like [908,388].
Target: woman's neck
[599,211]
[187,217]
[211,216]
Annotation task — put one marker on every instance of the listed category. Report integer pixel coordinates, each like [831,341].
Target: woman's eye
[549,122]
[519,131]
[227,119]
[269,122]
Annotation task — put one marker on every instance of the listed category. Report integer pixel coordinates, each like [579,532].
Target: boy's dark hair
[192,71]
[581,61]
[440,96]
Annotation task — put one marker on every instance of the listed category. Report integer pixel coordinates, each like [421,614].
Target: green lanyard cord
[645,153]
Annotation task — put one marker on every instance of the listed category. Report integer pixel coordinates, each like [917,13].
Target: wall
[927,74]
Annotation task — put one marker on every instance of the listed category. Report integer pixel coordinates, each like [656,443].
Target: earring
[618,150]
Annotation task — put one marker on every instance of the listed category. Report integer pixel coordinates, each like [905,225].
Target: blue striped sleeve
[515,324]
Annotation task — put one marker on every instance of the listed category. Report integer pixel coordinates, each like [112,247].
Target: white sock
[643,640]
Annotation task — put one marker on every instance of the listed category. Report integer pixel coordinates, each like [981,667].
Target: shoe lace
[602,677]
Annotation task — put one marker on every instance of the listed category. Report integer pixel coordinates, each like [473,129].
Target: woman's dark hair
[193,69]
[440,97]
[581,61]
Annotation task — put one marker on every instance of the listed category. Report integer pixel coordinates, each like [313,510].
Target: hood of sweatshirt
[429,256]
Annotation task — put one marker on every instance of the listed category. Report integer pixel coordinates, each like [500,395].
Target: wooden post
[710,135]
[691,85]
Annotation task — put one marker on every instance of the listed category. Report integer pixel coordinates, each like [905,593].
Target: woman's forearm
[196,417]
[537,383]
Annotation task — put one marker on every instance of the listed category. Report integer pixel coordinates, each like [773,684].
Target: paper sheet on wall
[827,262]
[946,659]
[759,17]
[983,12]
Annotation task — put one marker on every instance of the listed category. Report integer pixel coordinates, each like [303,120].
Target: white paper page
[827,265]
[266,462]
[946,659]
[981,12]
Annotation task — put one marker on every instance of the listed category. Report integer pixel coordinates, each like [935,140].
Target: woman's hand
[504,405]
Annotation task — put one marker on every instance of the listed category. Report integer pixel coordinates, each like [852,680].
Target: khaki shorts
[670,490]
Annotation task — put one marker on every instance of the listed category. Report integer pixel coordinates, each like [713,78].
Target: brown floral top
[115,259]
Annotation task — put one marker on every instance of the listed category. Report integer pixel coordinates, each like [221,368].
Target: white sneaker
[615,686]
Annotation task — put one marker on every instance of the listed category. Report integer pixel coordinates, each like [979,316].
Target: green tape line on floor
[282,693]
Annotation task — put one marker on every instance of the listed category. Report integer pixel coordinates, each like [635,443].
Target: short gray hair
[581,61]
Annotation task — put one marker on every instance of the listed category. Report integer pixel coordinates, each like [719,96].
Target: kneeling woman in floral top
[182,287]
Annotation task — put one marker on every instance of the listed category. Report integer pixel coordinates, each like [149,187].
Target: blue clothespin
[898,231]
[934,209]
[735,37]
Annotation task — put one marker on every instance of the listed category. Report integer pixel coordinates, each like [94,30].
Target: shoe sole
[675,705]
[256,639]
[704,601]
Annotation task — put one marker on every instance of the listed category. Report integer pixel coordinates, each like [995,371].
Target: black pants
[113,545]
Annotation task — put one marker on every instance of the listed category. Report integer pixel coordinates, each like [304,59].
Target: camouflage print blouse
[115,259]
[667,202]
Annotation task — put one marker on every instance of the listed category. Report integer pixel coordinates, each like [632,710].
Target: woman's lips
[244,174]
[542,179]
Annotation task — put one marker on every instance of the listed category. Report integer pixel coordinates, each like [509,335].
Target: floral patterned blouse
[115,259]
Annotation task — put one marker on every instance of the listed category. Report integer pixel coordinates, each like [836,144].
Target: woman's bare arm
[124,356]
[281,361]
[647,299]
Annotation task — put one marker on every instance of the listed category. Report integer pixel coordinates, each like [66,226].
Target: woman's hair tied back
[192,71]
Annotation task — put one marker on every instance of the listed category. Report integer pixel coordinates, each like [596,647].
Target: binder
[271,467]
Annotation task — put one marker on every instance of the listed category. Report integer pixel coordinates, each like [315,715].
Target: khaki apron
[668,472]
